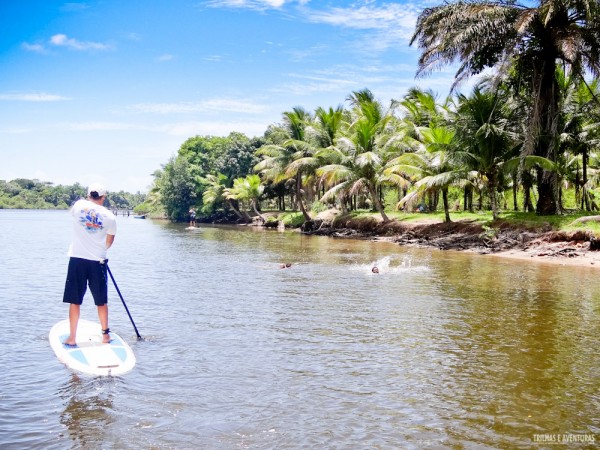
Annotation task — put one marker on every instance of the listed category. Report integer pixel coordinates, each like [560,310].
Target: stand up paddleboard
[90,355]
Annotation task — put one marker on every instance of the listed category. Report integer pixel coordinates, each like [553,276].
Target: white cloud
[313,83]
[179,129]
[164,58]
[342,79]
[211,105]
[132,36]
[101,126]
[251,4]
[33,97]
[74,7]
[213,128]
[392,23]
[16,130]
[62,40]
[38,48]
[214,58]
[366,17]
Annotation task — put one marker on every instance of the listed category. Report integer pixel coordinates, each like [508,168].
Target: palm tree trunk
[299,197]
[235,210]
[255,208]
[378,204]
[526,180]
[544,125]
[584,192]
[493,199]
[445,201]
[515,190]
[547,201]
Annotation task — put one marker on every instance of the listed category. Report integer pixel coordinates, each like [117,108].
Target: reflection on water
[437,350]
[88,410]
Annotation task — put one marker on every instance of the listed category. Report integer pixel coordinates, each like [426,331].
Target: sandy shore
[547,254]
[548,247]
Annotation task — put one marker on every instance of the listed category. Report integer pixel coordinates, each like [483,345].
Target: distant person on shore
[94,229]
[192,214]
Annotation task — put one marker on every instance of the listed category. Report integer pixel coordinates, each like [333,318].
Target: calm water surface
[439,350]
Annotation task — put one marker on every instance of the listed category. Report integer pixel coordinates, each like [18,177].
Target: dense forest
[525,138]
[23,193]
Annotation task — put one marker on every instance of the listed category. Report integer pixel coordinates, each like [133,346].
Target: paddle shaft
[124,304]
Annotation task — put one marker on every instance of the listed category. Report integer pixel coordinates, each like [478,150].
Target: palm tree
[499,33]
[327,126]
[433,168]
[483,124]
[357,160]
[580,129]
[292,157]
[214,193]
[421,108]
[247,189]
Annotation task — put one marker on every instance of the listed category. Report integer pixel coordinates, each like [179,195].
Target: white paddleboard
[91,356]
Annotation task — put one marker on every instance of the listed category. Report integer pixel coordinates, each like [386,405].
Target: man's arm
[110,238]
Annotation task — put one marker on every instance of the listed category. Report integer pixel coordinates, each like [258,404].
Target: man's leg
[103,317]
[75,287]
[74,312]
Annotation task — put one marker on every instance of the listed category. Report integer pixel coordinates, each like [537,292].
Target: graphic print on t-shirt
[91,220]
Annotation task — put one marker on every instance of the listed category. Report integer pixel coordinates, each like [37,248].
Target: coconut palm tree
[357,159]
[214,193]
[292,156]
[422,109]
[327,125]
[579,129]
[532,39]
[433,169]
[248,189]
[487,140]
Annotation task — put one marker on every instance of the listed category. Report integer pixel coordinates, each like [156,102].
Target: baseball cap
[97,188]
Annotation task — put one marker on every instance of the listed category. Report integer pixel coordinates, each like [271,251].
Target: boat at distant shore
[143,216]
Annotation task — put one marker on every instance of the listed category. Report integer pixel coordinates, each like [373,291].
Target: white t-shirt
[91,224]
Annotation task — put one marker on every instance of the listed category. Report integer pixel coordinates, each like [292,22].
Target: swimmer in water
[375,269]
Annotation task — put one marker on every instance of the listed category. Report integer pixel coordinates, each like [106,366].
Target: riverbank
[502,238]
[539,241]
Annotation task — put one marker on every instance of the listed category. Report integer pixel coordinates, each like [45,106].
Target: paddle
[140,338]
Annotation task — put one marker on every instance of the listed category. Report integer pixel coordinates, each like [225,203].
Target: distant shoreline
[508,241]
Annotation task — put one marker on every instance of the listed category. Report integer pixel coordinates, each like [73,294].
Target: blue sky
[108,90]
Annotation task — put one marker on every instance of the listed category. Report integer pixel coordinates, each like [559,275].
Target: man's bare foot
[70,342]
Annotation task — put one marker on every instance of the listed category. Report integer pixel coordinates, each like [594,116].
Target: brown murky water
[438,350]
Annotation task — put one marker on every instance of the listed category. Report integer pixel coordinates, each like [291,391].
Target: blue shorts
[82,272]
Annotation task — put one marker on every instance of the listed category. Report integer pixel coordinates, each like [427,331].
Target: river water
[438,350]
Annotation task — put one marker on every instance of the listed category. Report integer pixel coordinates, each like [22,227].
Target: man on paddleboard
[94,229]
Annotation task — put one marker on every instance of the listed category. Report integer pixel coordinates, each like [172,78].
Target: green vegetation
[526,138]
[463,154]
[34,194]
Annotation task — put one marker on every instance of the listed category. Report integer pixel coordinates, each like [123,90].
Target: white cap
[98,189]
